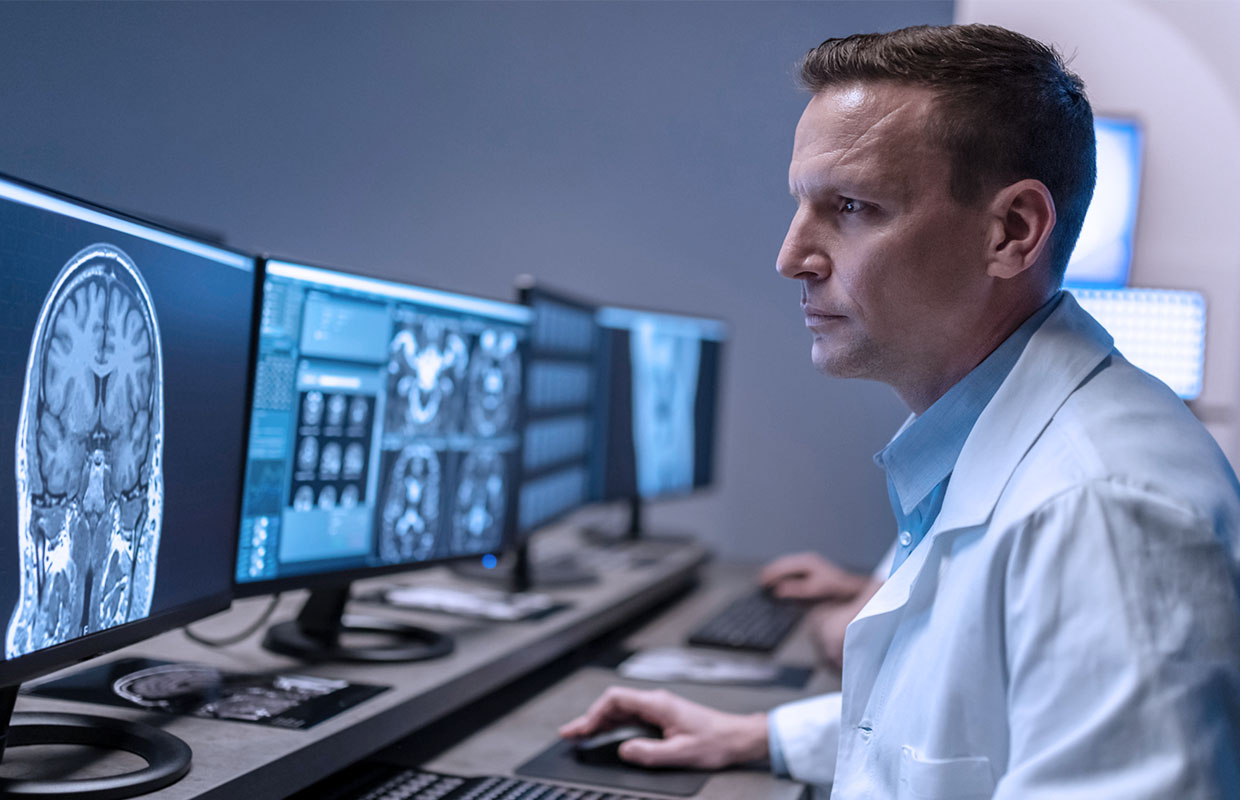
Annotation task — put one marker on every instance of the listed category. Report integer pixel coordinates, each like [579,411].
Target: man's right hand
[693,735]
[809,576]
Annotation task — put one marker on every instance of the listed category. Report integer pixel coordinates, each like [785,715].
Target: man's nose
[802,256]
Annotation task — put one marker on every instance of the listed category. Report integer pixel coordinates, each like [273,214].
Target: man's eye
[850,206]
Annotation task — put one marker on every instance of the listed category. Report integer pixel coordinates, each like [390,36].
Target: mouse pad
[558,764]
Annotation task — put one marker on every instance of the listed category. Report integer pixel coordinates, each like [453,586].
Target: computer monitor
[659,379]
[386,434]
[1103,253]
[554,476]
[126,362]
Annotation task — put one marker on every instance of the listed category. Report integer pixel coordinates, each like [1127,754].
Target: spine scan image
[89,456]
[665,374]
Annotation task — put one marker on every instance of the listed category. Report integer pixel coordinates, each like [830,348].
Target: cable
[246,633]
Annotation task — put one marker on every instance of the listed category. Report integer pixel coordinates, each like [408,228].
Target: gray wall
[632,152]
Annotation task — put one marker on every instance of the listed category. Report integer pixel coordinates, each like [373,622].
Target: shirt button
[906,538]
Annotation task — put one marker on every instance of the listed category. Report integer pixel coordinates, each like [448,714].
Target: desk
[524,732]
[238,760]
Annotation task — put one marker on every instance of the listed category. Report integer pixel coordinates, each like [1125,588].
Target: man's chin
[830,361]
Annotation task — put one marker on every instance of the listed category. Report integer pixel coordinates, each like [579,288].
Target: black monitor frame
[316,633]
[168,757]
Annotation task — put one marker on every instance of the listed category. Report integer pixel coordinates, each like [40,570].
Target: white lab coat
[1069,627]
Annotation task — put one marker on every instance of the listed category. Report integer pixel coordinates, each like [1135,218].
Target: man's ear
[1022,217]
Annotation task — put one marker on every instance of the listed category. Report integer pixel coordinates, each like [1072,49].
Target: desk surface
[234,759]
[526,731]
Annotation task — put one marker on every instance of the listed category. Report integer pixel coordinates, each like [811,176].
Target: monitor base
[406,642]
[167,757]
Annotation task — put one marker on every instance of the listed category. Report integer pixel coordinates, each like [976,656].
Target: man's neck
[927,387]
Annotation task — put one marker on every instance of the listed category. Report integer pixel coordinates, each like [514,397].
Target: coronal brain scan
[411,506]
[428,362]
[477,522]
[494,382]
[89,455]
[665,374]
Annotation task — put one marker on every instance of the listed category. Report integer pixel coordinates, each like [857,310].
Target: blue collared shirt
[921,457]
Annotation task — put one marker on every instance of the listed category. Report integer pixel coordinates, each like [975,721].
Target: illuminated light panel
[1162,331]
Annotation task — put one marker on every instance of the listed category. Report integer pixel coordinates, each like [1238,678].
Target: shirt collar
[925,449]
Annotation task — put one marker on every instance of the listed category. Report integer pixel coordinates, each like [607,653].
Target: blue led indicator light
[489,561]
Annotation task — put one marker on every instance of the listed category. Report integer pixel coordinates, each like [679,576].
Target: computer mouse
[604,747]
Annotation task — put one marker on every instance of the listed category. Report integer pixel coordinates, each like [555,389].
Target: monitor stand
[518,572]
[609,537]
[167,757]
[316,634]
[635,532]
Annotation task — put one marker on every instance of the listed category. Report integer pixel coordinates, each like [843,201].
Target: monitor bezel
[334,578]
[602,495]
[64,654]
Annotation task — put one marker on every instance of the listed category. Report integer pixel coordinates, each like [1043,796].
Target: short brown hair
[1008,109]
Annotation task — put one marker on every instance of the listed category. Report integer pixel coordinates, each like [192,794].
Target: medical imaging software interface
[385,425]
[124,369]
[660,374]
[555,466]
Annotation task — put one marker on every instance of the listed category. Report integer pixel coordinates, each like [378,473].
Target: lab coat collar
[1061,355]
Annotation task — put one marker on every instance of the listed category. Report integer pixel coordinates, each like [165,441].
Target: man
[1062,617]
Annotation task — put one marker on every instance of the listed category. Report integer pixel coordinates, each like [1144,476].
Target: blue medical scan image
[665,377]
[410,523]
[89,450]
[426,375]
[494,382]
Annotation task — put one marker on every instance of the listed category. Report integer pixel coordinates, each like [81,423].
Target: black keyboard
[754,621]
[414,784]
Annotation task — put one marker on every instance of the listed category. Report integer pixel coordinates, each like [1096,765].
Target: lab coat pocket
[923,778]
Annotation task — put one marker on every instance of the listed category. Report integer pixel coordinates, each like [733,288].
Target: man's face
[891,267]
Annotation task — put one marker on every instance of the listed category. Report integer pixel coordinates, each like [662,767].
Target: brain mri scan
[427,365]
[208,692]
[478,521]
[494,382]
[89,455]
[411,506]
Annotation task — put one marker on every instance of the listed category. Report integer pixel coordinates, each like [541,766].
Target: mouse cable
[246,633]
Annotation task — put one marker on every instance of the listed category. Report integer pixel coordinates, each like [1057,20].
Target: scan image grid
[453,386]
[332,450]
[89,450]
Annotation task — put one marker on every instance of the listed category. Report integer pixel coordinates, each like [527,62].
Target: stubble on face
[880,247]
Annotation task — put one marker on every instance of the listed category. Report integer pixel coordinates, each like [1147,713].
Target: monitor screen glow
[659,403]
[127,362]
[1103,253]
[386,426]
